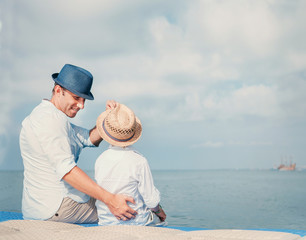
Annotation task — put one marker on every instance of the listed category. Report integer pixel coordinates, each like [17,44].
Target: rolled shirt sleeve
[82,135]
[62,143]
[55,142]
[149,192]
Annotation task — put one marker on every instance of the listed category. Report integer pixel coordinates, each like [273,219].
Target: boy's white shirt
[125,171]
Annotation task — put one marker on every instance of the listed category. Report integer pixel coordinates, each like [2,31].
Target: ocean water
[214,199]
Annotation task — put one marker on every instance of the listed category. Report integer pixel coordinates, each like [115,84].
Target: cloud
[258,100]
[210,65]
[250,143]
[173,53]
[219,144]
[244,27]
[208,144]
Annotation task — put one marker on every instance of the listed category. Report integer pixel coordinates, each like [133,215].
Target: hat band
[115,139]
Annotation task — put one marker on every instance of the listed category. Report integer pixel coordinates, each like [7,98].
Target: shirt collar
[120,148]
[47,102]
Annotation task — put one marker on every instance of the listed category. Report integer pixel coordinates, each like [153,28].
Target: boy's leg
[154,220]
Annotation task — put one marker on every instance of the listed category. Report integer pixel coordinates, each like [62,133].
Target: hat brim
[88,96]
[105,137]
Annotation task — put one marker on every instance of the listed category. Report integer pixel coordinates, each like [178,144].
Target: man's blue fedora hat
[75,79]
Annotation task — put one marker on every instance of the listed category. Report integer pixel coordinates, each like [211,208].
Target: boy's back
[120,169]
[123,170]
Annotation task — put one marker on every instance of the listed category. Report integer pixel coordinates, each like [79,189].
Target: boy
[121,169]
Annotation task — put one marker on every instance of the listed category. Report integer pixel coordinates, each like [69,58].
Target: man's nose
[81,104]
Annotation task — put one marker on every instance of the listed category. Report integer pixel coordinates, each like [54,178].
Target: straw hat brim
[134,139]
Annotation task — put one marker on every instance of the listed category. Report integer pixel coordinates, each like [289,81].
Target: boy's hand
[159,212]
[162,215]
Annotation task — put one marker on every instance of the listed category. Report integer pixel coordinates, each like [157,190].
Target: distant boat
[284,167]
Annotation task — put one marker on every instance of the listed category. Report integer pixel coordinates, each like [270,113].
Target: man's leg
[71,211]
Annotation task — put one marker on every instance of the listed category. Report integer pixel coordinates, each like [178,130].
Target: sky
[217,84]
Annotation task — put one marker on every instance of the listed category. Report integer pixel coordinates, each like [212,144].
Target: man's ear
[57,89]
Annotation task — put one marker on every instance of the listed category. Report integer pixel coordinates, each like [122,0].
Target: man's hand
[111,104]
[115,202]
[94,135]
[119,208]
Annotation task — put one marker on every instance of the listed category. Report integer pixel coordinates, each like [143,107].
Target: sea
[212,199]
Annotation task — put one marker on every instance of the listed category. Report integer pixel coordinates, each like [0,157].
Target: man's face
[70,103]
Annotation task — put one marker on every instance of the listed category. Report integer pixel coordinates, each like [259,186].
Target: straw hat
[119,126]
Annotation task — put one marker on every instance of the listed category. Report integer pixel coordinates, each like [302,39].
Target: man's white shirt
[50,147]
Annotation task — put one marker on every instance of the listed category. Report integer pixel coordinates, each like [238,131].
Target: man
[55,188]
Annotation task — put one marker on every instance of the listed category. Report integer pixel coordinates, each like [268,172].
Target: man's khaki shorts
[71,211]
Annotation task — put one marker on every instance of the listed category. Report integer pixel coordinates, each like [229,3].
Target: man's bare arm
[94,134]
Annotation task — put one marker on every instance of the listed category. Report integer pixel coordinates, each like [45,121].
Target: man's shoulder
[45,114]
[46,109]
